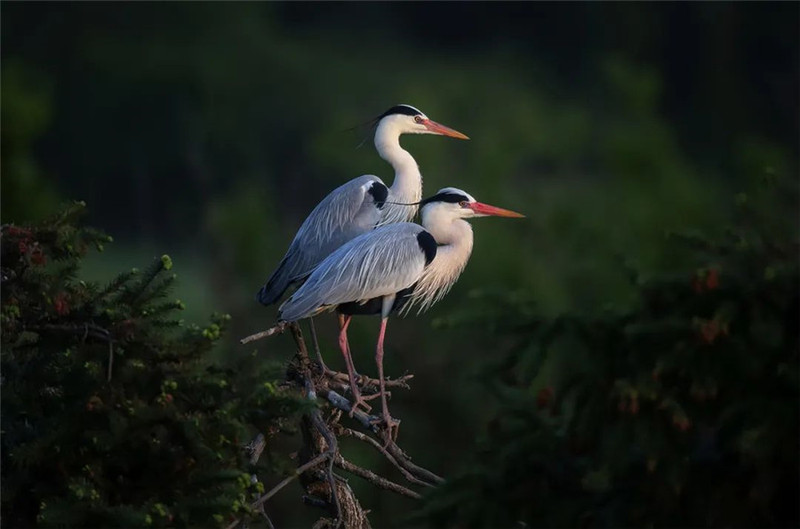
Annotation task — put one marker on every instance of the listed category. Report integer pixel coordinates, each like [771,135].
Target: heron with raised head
[394,267]
[360,204]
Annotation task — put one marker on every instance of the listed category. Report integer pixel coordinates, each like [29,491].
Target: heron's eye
[418,119]
[463,204]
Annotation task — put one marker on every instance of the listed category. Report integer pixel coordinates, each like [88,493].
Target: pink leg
[391,424]
[358,400]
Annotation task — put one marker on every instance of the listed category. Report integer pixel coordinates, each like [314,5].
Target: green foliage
[112,417]
[679,411]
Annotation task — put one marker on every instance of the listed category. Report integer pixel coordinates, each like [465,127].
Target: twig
[369,440]
[374,478]
[270,525]
[364,380]
[110,358]
[279,328]
[299,470]
[406,463]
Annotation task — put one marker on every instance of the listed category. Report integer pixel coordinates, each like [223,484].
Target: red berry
[61,304]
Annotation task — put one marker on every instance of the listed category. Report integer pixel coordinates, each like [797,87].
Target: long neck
[455,246]
[407,185]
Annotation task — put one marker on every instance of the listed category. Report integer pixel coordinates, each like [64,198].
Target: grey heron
[360,204]
[394,267]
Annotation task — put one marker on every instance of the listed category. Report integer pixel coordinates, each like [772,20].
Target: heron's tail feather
[276,285]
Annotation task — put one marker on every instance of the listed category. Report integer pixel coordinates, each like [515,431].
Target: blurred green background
[209,130]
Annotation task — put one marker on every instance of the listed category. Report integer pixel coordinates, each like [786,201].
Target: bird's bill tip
[486,209]
[438,128]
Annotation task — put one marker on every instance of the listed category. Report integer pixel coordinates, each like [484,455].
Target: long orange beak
[486,209]
[438,128]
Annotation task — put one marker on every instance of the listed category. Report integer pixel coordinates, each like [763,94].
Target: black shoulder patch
[428,245]
[400,109]
[379,193]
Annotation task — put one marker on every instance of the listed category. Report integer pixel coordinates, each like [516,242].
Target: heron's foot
[358,400]
[391,426]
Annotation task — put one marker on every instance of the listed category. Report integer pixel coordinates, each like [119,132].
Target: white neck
[454,236]
[407,185]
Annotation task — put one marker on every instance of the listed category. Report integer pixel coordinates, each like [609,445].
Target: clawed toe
[391,426]
[359,401]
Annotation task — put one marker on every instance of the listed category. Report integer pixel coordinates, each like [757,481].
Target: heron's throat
[455,246]
[407,185]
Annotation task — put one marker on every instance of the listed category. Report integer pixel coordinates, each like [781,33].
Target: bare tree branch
[374,478]
[406,463]
[367,382]
[274,490]
[369,440]
[323,488]
[279,328]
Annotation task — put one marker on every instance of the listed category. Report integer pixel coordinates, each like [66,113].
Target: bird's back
[346,212]
[378,263]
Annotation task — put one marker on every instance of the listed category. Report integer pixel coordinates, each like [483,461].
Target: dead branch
[405,461]
[372,383]
[322,487]
[332,449]
[278,329]
[299,470]
[318,439]
[379,447]
[374,478]
[274,490]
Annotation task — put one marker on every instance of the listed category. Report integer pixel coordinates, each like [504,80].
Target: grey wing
[346,212]
[379,263]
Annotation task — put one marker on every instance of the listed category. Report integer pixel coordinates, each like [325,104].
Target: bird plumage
[348,211]
[361,270]
[361,204]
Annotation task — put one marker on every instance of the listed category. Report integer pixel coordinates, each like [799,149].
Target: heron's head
[405,119]
[454,203]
